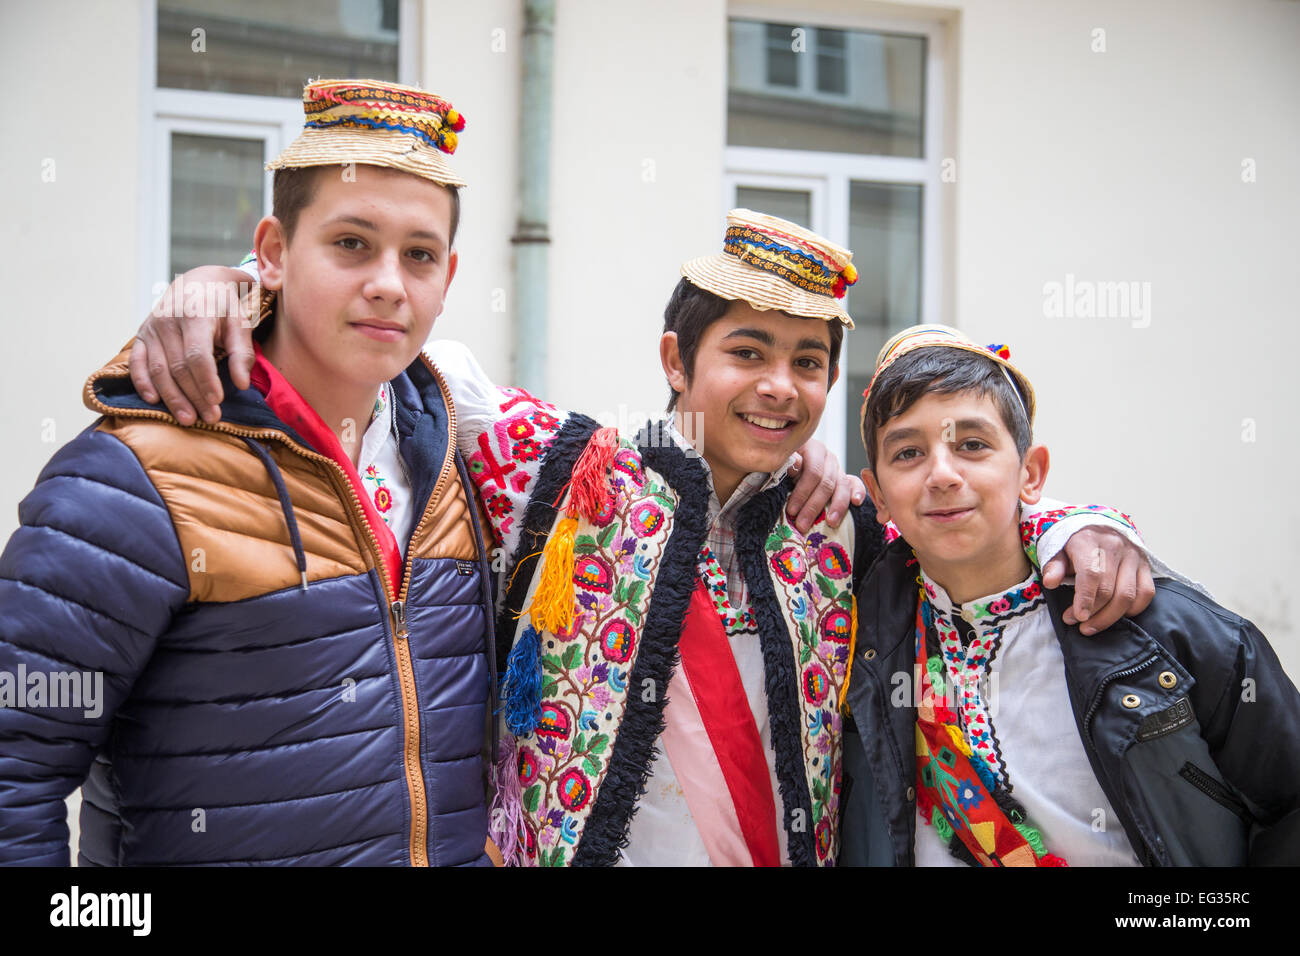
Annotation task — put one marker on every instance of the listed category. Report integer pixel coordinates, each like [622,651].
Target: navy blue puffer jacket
[241,715]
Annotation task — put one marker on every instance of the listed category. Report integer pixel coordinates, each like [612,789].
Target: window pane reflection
[885,236]
[271,47]
[847,91]
[216,199]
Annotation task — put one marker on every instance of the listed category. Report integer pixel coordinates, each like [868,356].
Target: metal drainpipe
[532,238]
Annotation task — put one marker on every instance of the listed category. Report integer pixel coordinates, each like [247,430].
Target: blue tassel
[522,688]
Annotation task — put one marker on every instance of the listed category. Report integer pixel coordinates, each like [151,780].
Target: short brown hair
[690,312]
[294,188]
[943,371]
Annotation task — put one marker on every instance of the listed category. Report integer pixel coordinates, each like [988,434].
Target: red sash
[719,696]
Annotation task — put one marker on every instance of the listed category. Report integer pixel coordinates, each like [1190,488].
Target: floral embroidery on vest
[585,667]
[508,452]
[813,578]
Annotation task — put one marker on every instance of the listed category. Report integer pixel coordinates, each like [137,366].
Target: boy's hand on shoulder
[174,351]
[822,484]
[1112,578]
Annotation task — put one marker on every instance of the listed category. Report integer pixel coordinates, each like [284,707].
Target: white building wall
[640,125]
[69,233]
[470,55]
[1117,166]
[1127,165]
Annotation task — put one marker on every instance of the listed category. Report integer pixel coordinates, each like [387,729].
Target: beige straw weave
[335,147]
[762,287]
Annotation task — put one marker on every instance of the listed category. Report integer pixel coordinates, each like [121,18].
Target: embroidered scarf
[952,795]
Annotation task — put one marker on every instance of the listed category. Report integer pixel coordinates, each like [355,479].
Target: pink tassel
[506,815]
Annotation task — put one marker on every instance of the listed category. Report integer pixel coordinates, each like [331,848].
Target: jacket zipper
[417,848]
[1110,679]
[1147,855]
[1216,791]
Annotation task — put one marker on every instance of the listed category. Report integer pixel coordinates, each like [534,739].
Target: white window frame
[276,121]
[829,175]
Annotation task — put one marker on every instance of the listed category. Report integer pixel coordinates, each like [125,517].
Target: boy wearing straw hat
[990,734]
[675,645]
[279,623]
[629,554]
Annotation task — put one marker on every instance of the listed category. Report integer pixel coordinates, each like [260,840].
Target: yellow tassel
[958,739]
[853,646]
[552,605]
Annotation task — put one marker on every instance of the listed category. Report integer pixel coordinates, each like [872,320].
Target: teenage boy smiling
[764,392]
[651,548]
[672,687]
[1172,738]
[244,593]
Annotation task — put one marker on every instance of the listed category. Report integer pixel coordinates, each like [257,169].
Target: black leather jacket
[1190,724]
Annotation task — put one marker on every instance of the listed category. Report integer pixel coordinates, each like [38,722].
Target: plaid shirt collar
[752,484]
[721,537]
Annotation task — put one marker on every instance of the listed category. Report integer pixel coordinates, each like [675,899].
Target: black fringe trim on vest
[632,758]
[781,674]
[538,519]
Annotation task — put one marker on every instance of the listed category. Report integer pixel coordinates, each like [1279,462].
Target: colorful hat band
[796,266]
[923,336]
[365,107]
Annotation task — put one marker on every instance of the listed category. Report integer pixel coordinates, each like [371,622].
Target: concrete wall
[472,58]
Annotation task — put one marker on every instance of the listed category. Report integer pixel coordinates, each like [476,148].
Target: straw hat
[375,124]
[941,336]
[774,264]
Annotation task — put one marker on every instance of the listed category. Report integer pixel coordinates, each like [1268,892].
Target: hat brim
[1021,380]
[726,276]
[401,151]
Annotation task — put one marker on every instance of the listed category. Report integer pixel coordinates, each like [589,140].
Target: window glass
[885,236]
[792,204]
[845,91]
[832,76]
[216,199]
[271,47]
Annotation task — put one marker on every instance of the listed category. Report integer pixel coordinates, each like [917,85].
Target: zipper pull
[399,616]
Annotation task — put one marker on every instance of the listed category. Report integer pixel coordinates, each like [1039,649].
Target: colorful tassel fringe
[506,815]
[552,605]
[522,688]
[589,490]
